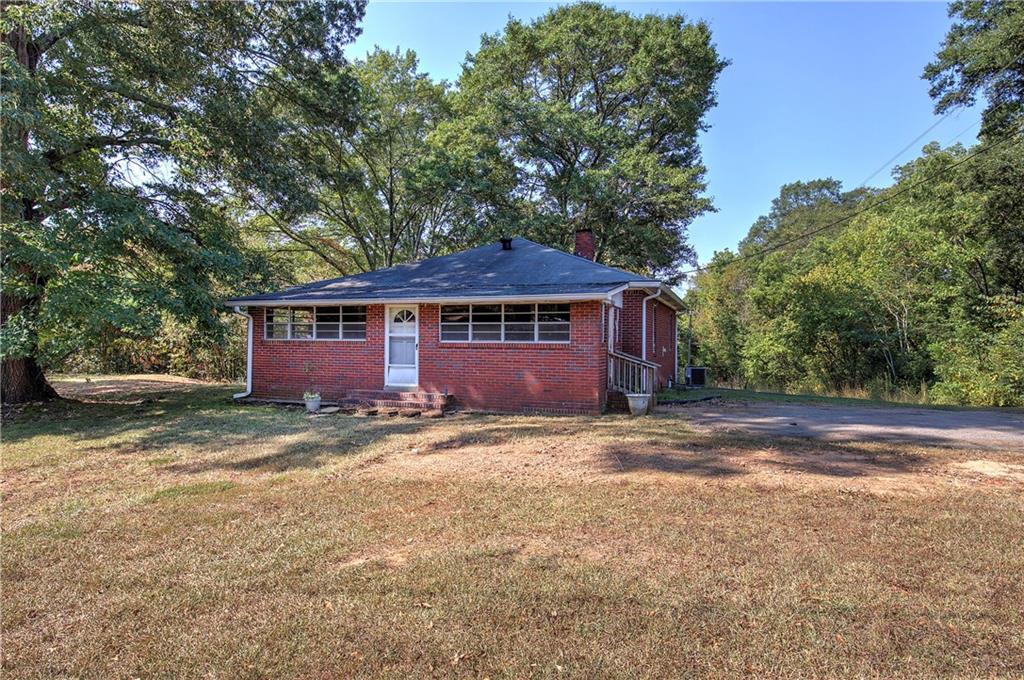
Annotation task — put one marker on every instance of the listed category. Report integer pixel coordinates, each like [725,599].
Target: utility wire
[882,201]
[889,197]
[899,153]
[934,125]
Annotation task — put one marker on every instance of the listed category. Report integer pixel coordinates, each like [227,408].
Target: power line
[934,125]
[847,218]
[889,197]
[960,134]
[899,153]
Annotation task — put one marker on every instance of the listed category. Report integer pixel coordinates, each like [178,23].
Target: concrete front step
[395,399]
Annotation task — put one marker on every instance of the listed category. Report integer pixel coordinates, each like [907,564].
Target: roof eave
[565,297]
[668,296]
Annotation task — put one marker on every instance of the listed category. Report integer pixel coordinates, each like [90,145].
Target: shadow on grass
[723,454]
[218,434]
[208,424]
[482,430]
[665,444]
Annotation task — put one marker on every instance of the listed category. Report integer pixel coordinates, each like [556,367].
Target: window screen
[505,323]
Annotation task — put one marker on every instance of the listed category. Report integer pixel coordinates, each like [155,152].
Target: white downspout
[248,355]
[675,344]
[643,323]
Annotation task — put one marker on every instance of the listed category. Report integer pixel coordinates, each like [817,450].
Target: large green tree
[376,202]
[589,117]
[982,55]
[125,126]
[770,316]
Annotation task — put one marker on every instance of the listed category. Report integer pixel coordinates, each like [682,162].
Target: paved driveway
[987,429]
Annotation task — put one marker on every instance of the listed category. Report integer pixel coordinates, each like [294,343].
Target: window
[302,323]
[277,322]
[485,323]
[553,323]
[455,323]
[316,323]
[505,323]
[353,323]
[520,323]
[328,323]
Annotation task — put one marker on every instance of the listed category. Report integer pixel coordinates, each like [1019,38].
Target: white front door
[401,350]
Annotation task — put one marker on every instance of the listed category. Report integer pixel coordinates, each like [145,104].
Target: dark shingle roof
[528,269]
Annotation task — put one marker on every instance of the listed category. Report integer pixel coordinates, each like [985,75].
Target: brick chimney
[585,244]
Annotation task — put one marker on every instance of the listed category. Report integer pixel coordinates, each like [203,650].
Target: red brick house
[509,326]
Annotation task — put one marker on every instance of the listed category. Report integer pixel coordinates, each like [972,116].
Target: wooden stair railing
[629,374]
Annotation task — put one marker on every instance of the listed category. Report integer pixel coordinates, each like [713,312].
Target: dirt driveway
[981,429]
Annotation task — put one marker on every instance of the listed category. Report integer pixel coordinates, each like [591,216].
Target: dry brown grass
[169,532]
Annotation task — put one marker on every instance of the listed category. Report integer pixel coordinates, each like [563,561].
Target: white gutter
[670,299]
[248,355]
[643,322]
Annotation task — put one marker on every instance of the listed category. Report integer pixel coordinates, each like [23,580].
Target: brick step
[617,403]
[387,403]
[394,399]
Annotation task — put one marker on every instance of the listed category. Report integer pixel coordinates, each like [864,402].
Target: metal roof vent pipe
[506,243]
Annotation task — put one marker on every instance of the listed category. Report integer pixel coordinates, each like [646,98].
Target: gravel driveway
[987,429]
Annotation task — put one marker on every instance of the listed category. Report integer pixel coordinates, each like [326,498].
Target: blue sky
[813,90]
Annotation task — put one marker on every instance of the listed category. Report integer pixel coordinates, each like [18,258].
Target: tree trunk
[21,380]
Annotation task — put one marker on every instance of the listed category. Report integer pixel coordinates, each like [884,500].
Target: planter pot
[313,405]
[639,404]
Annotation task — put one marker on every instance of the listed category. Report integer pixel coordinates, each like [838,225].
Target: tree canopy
[588,117]
[374,203]
[126,126]
[924,289]
[982,55]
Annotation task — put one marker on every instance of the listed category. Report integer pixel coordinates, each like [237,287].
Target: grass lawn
[728,393]
[158,529]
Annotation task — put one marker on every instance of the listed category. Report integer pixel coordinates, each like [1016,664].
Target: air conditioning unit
[696,376]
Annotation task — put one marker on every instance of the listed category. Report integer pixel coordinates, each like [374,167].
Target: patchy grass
[478,546]
[762,396]
[182,490]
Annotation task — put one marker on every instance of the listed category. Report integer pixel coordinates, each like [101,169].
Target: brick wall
[660,334]
[519,376]
[632,321]
[494,376]
[661,349]
[284,369]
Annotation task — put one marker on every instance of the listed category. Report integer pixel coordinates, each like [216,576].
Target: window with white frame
[347,322]
[505,323]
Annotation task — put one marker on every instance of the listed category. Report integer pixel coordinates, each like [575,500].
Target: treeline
[159,157]
[922,294]
[913,292]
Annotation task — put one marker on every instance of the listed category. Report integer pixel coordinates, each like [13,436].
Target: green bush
[984,368]
[177,349]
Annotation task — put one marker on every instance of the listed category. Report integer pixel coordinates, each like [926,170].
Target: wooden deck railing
[629,374]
